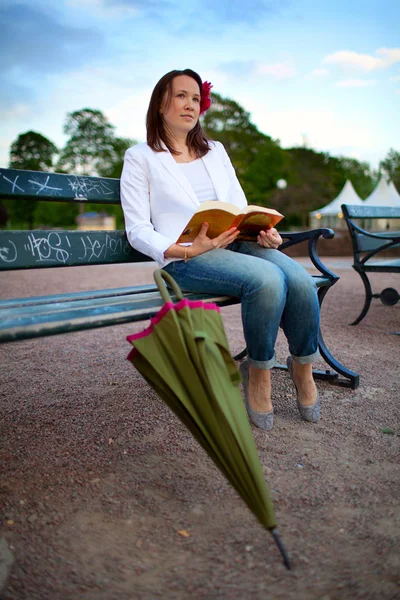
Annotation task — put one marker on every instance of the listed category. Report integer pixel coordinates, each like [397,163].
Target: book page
[217,205]
[253,208]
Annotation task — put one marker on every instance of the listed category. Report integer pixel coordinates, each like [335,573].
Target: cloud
[386,57]
[355,83]
[317,73]
[33,42]
[279,70]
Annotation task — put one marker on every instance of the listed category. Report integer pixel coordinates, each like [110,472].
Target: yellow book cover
[221,216]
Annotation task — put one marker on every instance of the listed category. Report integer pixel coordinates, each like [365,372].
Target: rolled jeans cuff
[306,360]
[263,364]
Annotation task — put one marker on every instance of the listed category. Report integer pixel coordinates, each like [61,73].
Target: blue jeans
[273,289]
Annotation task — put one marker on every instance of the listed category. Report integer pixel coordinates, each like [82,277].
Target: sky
[325,74]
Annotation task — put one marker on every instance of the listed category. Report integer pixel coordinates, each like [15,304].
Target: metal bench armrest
[312,236]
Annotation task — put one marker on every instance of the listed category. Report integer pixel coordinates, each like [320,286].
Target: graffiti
[50,247]
[44,188]
[14,185]
[76,187]
[94,249]
[83,187]
[9,254]
[42,248]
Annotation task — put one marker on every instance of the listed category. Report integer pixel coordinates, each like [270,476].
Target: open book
[221,216]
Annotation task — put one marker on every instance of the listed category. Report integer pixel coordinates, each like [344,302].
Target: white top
[158,201]
[198,177]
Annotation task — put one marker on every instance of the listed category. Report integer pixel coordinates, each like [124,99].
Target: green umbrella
[185,358]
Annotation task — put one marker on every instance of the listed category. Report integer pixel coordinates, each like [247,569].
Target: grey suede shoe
[262,420]
[309,413]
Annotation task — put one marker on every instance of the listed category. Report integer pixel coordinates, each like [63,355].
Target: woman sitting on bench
[162,183]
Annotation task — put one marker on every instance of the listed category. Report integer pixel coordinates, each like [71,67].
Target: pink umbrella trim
[165,310]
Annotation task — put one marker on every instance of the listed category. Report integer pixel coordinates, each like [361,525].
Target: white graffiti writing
[14,184]
[42,186]
[84,187]
[49,248]
[55,247]
[8,254]
[95,249]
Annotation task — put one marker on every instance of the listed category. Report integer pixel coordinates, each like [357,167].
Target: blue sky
[325,74]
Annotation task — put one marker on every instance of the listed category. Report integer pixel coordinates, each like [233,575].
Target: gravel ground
[99,478]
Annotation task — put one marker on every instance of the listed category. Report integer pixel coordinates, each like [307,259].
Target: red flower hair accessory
[205,101]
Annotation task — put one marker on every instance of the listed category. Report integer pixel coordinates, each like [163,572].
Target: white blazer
[158,200]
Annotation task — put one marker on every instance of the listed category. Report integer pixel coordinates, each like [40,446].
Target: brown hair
[156,131]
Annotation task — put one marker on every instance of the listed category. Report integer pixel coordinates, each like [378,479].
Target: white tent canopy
[348,195]
[383,195]
[393,191]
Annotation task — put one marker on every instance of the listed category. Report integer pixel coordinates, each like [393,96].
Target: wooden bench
[24,318]
[368,245]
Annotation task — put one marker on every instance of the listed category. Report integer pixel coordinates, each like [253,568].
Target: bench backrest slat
[37,248]
[356,211]
[56,187]
[365,242]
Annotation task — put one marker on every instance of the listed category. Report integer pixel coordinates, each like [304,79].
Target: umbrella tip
[281,548]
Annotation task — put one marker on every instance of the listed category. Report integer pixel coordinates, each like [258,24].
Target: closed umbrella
[184,356]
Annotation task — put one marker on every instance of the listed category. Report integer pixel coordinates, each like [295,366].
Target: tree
[258,160]
[391,165]
[114,167]
[34,152]
[311,184]
[90,148]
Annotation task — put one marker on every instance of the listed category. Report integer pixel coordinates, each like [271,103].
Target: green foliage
[359,173]
[92,146]
[315,179]
[33,152]
[259,161]
[56,214]
[227,122]
[391,165]
[114,167]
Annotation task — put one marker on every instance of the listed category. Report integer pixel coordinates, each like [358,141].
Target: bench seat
[25,318]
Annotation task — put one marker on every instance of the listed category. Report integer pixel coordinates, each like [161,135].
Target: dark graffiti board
[33,249]
[58,187]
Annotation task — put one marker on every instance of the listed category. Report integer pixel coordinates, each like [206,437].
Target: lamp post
[281,184]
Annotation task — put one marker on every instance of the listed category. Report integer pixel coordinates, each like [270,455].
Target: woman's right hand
[202,243]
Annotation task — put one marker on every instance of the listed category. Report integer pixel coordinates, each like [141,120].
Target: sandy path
[98,476]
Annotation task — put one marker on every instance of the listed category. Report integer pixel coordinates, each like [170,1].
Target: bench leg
[368,298]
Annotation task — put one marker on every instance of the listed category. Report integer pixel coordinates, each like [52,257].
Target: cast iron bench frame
[25,318]
[368,245]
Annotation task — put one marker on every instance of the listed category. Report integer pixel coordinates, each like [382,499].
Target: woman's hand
[202,243]
[269,238]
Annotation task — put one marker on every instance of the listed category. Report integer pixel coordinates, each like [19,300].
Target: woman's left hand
[269,238]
